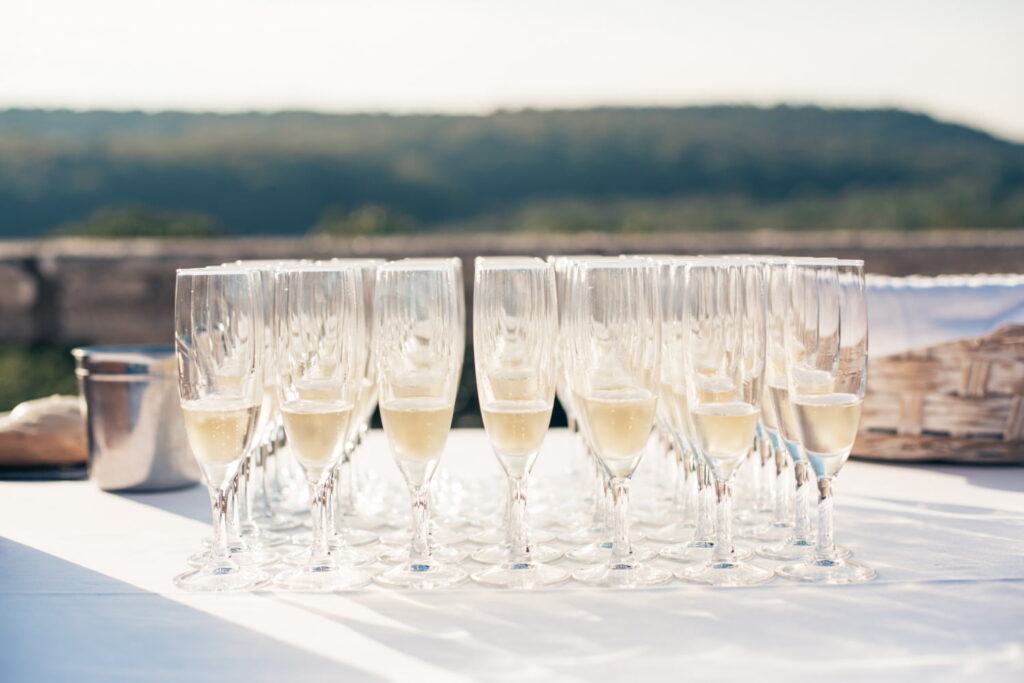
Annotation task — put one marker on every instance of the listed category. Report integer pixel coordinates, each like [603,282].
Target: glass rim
[713,262]
[510,263]
[831,263]
[618,262]
[213,270]
[262,264]
[317,267]
[404,265]
[784,260]
[354,260]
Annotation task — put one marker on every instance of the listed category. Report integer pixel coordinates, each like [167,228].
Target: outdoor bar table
[86,595]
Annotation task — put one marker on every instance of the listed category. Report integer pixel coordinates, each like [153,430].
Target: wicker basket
[956,402]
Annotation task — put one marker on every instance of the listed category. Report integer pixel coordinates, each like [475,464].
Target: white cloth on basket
[907,313]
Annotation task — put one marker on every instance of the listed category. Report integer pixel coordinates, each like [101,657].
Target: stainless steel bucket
[137,439]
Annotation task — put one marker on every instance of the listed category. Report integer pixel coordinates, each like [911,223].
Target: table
[86,594]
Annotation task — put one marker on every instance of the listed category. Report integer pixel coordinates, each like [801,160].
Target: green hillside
[693,168]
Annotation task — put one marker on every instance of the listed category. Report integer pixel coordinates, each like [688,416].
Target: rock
[45,431]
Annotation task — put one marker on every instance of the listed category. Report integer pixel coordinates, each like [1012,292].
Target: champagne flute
[671,409]
[416,327]
[699,491]
[827,350]
[247,542]
[614,341]
[798,543]
[264,514]
[341,536]
[515,327]
[219,347]
[255,515]
[444,487]
[321,353]
[721,308]
[352,522]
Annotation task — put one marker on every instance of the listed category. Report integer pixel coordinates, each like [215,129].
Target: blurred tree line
[695,168]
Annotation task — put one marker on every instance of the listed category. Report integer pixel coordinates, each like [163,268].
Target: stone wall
[121,291]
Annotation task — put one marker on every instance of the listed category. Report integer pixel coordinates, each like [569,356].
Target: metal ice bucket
[137,438]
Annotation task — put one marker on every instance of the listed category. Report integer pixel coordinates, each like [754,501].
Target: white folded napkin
[907,313]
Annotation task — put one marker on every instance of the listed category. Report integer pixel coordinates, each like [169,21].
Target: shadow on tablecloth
[122,633]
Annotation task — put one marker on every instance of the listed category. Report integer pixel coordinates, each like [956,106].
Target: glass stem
[704,533]
[246,479]
[263,481]
[419,548]
[802,506]
[352,489]
[767,493]
[722,553]
[518,531]
[826,547]
[600,496]
[219,551]
[320,494]
[679,492]
[782,489]
[607,508]
[753,465]
[346,481]
[233,523]
[692,487]
[622,550]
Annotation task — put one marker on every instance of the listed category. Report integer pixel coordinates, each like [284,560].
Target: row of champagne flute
[611,334]
[769,347]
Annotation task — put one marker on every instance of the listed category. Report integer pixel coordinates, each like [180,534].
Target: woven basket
[956,402]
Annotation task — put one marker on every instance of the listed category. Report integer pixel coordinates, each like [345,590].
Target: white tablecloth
[86,595]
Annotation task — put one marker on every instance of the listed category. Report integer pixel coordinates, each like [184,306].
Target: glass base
[673,533]
[794,550]
[273,539]
[363,522]
[441,553]
[278,522]
[350,536]
[700,552]
[634,575]
[583,536]
[266,538]
[496,554]
[827,571]
[768,533]
[656,516]
[322,577]
[426,574]
[525,575]
[341,554]
[599,553]
[221,579]
[440,536]
[496,536]
[241,555]
[595,535]
[726,574]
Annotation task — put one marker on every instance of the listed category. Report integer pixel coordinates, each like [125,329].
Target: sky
[958,61]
